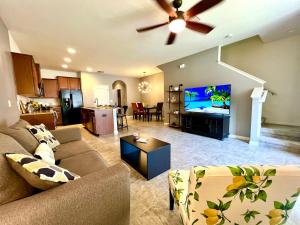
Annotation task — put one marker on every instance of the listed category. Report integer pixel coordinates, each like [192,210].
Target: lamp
[177,25]
[145,87]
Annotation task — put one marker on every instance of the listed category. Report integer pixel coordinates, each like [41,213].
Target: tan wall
[278,63]
[90,80]
[202,69]
[8,115]
[157,93]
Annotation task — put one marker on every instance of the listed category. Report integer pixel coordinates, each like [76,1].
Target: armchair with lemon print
[237,195]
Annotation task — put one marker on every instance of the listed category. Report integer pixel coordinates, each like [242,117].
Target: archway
[120,92]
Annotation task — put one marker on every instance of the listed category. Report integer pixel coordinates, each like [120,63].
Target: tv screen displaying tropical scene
[208,99]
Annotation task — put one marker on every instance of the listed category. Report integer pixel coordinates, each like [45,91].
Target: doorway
[120,96]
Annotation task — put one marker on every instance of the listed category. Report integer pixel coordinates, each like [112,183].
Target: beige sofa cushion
[12,186]
[85,163]
[20,124]
[23,136]
[71,149]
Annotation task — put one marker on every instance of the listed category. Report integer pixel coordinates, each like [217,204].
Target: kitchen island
[99,120]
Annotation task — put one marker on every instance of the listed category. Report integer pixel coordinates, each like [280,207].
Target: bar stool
[122,118]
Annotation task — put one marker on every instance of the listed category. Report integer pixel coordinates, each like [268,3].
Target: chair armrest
[67,134]
[102,197]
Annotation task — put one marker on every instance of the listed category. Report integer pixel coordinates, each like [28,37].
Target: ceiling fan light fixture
[177,25]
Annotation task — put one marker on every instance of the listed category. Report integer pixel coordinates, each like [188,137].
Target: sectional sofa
[101,196]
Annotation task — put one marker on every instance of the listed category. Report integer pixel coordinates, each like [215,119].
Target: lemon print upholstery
[39,173]
[178,181]
[235,194]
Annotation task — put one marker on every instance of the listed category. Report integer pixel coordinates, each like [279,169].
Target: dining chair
[141,110]
[135,110]
[158,112]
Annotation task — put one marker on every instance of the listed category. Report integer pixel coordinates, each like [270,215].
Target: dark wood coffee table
[150,159]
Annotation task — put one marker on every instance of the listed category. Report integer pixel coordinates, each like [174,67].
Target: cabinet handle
[104,115]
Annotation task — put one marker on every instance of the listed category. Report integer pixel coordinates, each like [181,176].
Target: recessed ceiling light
[65,66]
[89,69]
[71,51]
[229,36]
[67,59]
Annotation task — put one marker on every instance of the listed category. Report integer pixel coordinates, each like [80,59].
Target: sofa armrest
[102,197]
[67,134]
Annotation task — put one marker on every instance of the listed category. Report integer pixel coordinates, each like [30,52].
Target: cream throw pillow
[43,135]
[45,153]
[38,173]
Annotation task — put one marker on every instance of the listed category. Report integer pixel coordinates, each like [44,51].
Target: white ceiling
[103,32]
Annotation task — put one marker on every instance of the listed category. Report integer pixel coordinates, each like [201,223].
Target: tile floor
[149,199]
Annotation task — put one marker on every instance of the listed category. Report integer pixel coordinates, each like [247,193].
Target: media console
[206,124]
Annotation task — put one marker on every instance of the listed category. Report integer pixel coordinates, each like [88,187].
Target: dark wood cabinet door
[50,88]
[74,83]
[25,75]
[63,83]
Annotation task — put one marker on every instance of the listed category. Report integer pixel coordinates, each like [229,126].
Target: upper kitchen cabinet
[38,73]
[71,83]
[26,75]
[74,83]
[50,87]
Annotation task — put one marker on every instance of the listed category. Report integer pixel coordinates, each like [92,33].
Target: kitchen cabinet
[37,118]
[50,87]
[38,73]
[26,75]
[71,83]
[74,83]
[98,121]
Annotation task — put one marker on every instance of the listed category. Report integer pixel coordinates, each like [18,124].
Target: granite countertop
[97,108]
[38,113]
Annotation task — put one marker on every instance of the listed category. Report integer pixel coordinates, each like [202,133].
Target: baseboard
[243,138]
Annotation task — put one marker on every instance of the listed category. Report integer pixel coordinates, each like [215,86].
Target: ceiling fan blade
[199,27]
[151,27]
[200,7]
[171,38]
[166,7]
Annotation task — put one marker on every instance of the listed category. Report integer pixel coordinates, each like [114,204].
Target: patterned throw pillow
[38,173]
[43,135]
[45,153]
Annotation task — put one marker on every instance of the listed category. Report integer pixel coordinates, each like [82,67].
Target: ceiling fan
[179,20]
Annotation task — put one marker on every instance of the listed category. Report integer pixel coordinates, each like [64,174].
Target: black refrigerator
[71,103]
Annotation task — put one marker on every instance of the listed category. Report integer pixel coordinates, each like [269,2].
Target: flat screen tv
[208,99]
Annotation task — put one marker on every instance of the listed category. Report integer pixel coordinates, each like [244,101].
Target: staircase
[281,135]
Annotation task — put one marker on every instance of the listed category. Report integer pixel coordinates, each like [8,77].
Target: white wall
[278,63]
[91,80]
[52,74]
[13,45]
[9,114]
[157,93]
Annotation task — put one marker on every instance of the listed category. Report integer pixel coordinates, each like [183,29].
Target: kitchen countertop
[38,113]
[97,108]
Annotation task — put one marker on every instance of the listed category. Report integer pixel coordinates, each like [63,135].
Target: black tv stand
[206,124]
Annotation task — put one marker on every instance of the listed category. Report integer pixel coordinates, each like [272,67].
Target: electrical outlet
[9,103]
